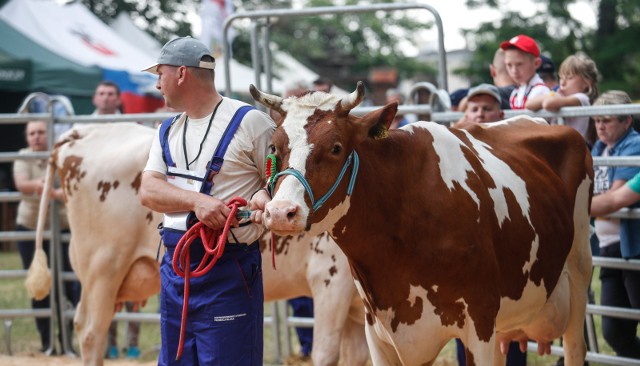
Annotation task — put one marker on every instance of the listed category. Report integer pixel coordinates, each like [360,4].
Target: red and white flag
[213,13]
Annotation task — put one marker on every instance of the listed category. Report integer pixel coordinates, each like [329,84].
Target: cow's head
[314,145]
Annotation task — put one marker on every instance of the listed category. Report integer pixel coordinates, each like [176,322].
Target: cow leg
[330,314]
[479,352]
[354,350]
[93,317]
[382,352]
[580,269]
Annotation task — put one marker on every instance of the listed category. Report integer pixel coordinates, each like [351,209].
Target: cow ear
[378,121]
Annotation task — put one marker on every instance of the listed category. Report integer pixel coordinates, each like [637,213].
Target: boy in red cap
[522,59]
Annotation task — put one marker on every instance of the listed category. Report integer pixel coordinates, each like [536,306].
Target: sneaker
[133,352]
[113,353]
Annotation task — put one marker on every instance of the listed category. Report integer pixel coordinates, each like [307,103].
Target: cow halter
[296,173]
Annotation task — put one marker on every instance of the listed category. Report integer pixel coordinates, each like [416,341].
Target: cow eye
[272,149]
[337,148]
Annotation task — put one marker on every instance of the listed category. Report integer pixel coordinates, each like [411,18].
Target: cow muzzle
[284,217]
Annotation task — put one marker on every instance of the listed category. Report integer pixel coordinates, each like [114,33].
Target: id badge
[189,181]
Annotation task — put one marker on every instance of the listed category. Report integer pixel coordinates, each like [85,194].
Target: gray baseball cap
[488,89]
[183,51]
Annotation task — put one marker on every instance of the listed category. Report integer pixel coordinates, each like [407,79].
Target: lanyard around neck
[184,137]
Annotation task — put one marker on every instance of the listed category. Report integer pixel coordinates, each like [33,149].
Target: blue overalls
[225,316]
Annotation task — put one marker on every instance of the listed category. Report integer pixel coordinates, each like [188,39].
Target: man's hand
[257,205]
[213,213]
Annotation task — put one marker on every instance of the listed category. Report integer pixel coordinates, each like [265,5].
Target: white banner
[213,13]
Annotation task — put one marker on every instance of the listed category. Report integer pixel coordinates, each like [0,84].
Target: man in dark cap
[547,71]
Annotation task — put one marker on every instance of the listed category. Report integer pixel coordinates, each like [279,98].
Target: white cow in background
[115,239]
[315,266]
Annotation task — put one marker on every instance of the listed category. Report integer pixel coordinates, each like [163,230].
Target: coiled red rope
[213,242]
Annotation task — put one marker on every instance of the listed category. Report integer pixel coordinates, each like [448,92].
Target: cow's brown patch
[315,244]
[137,182]
[105,187]
[71,174]
[149,217]
[470,360]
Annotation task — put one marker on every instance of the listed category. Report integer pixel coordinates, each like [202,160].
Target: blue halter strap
[316,205]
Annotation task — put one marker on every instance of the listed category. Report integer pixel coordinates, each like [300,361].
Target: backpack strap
[214,165]
[164,139]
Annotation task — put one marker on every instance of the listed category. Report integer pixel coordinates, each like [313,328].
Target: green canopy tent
[25,67]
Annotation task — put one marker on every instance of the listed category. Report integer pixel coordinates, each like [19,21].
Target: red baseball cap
[523,43]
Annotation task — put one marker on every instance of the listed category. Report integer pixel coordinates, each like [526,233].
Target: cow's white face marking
[298,111]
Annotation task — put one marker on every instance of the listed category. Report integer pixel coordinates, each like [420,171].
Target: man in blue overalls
[204,157]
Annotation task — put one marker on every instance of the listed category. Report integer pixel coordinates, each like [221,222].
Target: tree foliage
[343,47]
[611,45]
[163,19]
[347,47]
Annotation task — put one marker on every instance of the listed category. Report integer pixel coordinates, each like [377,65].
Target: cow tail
[38,281]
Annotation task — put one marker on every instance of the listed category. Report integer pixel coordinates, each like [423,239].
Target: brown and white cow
[478,234]
[114,243]
[113,238]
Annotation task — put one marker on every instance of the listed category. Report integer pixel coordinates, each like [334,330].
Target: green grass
[24,337]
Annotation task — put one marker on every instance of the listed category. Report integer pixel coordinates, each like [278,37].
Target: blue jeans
[620,288]
[303,307]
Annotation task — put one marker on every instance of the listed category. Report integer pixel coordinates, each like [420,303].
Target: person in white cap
[522,58]
[191,179]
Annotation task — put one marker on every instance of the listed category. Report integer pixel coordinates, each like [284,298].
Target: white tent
[291,70]
[241,75]
[124,26]
[76,34]
[73,32]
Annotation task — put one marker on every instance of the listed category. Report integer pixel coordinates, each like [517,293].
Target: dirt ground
[38,359]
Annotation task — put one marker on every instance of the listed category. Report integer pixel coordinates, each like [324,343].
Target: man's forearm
[160,196]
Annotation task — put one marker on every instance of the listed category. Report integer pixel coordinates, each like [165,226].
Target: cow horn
[270,101]
[352,100]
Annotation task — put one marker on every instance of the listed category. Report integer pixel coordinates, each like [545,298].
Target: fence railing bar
[633,314]
[617,263]
[25,313]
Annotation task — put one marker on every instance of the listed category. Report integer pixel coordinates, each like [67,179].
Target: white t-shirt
[534,88]
[607,228]
[580,124]
[243,170]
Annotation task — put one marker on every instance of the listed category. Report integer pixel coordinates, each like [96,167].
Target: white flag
[213,13]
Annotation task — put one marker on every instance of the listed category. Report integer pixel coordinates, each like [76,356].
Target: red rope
[213,242]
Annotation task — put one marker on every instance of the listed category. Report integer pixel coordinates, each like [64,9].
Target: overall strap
[164,139]
[214,165]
